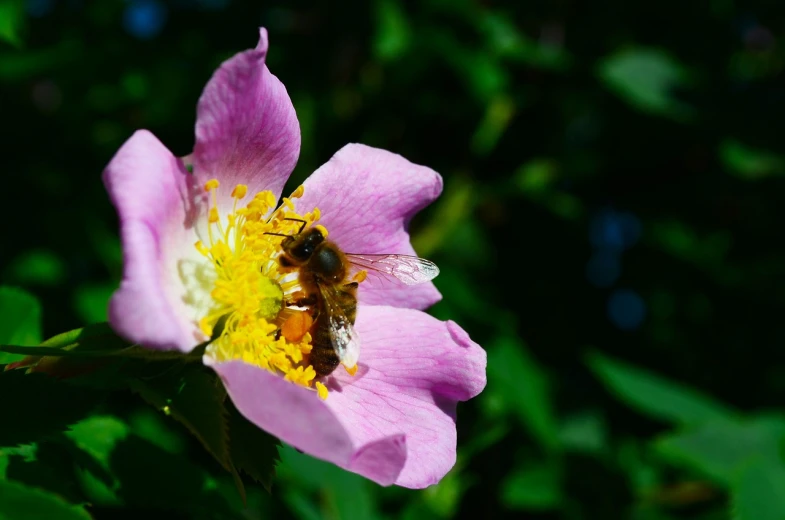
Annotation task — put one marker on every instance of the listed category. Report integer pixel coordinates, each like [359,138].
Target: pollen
[248,317]
[321,390]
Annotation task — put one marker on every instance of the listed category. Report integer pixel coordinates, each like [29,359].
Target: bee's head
[298,249]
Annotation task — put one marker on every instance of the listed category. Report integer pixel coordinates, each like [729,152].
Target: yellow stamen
[321,390]
[298,192]
[248,311]
[239,191]
[360,276]
[351,371]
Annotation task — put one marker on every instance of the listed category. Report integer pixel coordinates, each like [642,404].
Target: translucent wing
[344,338]
[406,269]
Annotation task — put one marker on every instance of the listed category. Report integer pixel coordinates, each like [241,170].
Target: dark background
[613,191]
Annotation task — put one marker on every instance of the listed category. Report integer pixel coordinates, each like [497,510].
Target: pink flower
[199,261]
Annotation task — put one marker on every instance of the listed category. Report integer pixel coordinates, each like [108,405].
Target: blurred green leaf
[20,321]
[393,36]
[443,499]
[92,301]
[18,502]
[719,449]
[507,41]
[584,432]
[749,163]
[646,79]
[523,385]
[655,396]
[533,487]
[342,494]
[498,114]
[193,396]
[758,491]
[254,451]
[12,18]
[38,267]
[41,406]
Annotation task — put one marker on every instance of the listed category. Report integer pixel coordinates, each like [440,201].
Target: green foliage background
[610,232]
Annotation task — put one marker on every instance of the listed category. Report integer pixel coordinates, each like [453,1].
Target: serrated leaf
[254,451]
[192,395]
[719,449]
[758,491]
[523,386]
[19,502]
[20,321]
[654,396]
[40,406]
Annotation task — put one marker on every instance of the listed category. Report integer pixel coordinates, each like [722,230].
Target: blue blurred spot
[614,230]
[39,8]
[144,19]
[603,268]
[626,309]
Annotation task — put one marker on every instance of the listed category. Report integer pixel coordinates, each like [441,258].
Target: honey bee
[325,277]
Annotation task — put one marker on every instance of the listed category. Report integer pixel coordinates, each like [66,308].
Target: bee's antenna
[276,234]
[301,221]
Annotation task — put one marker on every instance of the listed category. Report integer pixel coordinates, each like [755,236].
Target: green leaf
[349,494]
[654,396]
[18,502]
[254,451]
[758,492]
[749,163]
[393,35]
[20,320]
[719,449]
[522,384]
[92,301]
[645,78]
[192,395]
[40,406]
[533,487]
[12,21]
[36,267]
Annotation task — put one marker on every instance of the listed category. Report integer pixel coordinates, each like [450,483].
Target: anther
[298,192]
[322,230]
[213,216]
[201,248]
[321,390]
[239,191]
[360,276]
[212,184]
[351,371]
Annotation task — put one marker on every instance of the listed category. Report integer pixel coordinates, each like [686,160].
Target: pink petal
[246,130]
[150,189]
[298,417]
[394,421]
[367,197]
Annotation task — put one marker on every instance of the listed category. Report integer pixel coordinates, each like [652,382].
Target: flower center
[248,316]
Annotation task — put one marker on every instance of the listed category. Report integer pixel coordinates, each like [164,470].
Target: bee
[325,277]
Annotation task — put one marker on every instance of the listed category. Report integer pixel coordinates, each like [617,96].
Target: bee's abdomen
[323,357]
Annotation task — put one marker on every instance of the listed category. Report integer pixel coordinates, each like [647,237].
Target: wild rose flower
[199,259]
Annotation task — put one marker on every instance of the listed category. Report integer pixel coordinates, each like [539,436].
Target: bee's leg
[277,334]
[308,301]
[351,285]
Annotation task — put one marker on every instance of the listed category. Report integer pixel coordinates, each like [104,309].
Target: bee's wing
[344,338]
[406,269]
